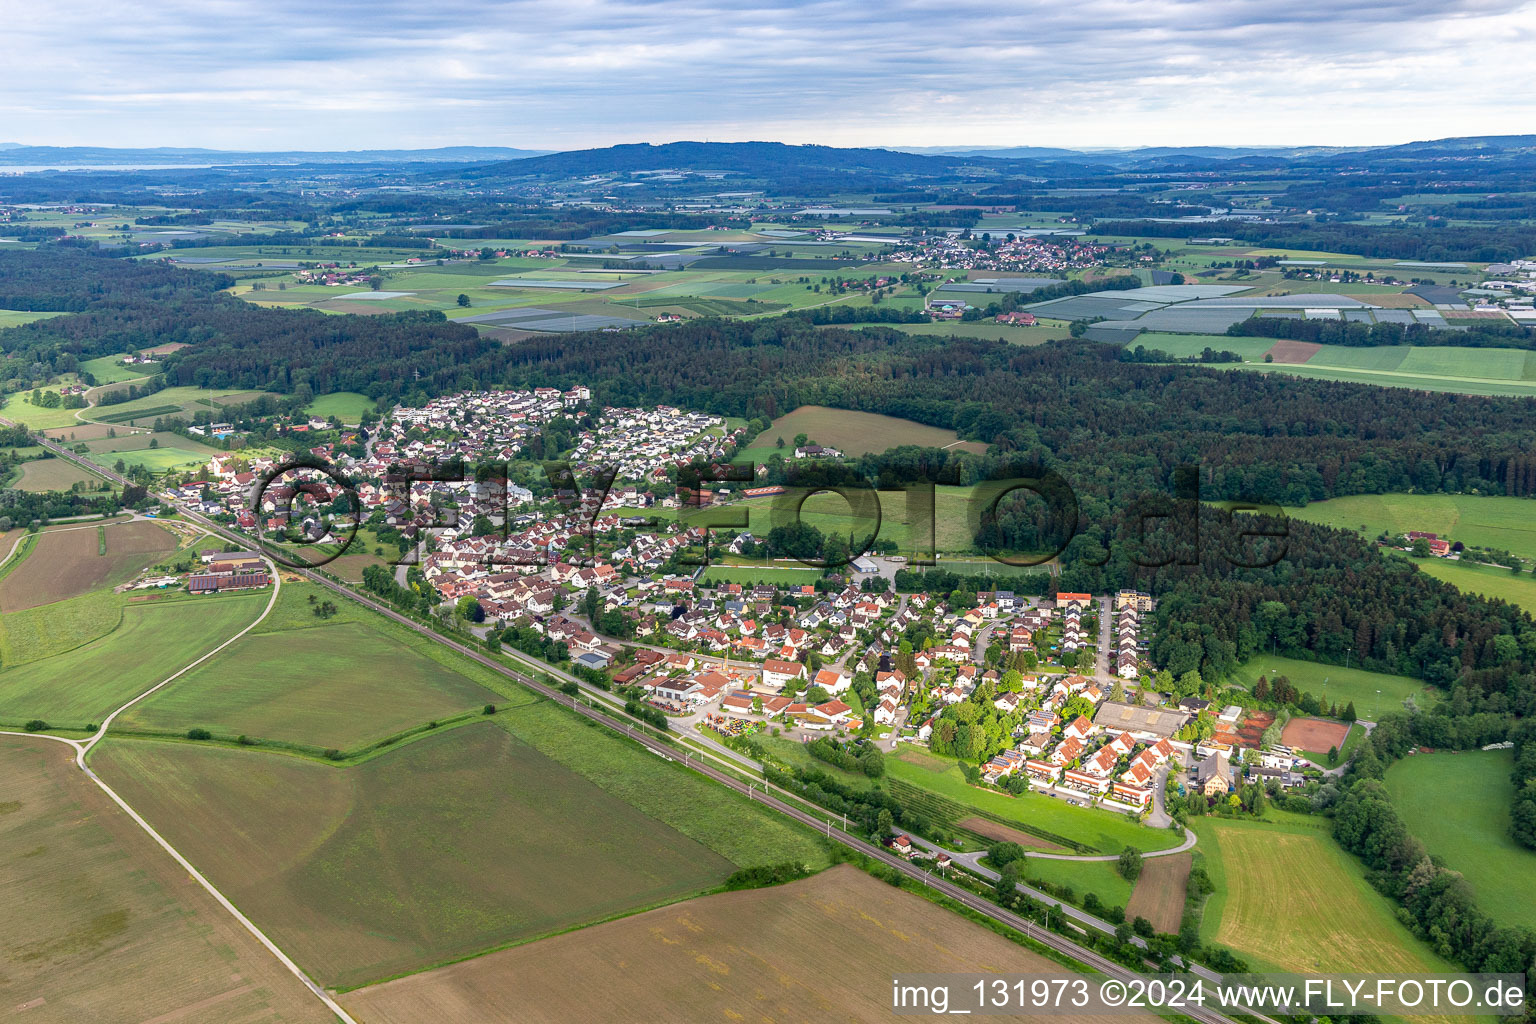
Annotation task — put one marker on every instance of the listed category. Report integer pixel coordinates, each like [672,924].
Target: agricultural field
[1159,892]
[1183,346]
[1105,831]
[156,637]
[490,843]
[1374,693]
[99,919]
[746,574]
[1288,898]
[19,407]
[1457,805]
[322,686]
[1013,334]
[761,954]
[74,560]
[852,433]
[1462,371]
[55,474]
[170,402]
[1480,520]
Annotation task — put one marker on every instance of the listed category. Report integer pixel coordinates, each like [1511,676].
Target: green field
[1374,693]
[348,406]
[1288,898]
[1182,346]
[1084,876]
[1013,334]
[751,574]
[1106,831]
[19,407]
[1401,378]
[1490,581]
[110,370]
[17,317]
[852,433]
[176,401]
[155,639]
[1457,805]
[954,509]
[327,686]
[464,841]
[157,460]
[1483,521]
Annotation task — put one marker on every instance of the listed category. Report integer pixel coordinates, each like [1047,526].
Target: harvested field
[54,475]
[67,563]
[1288,351]
[761,955]
[102,925]
[84,432]
[1004,834]
[463,841]
[1159,892]
[1389,300]
[1316,734]
[852,433]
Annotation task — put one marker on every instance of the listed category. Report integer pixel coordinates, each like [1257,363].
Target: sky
[569,74]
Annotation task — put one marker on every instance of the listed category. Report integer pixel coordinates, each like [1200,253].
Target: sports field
[1289,899]
[821,949]
[325,686]
[463,841]
[1374,693]
[157,637]
[1159,892]
[1106,831]
[68,562]
[852,433]
[1484,521]
[101,925]
[1457,805]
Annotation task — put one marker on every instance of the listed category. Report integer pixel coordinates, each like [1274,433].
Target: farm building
[1147,724]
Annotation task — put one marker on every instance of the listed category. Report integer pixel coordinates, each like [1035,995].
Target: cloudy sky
[562,74]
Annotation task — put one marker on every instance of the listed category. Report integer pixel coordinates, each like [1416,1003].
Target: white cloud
[539,73]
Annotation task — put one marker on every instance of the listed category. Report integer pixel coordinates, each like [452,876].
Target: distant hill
[754,158]
[12,153]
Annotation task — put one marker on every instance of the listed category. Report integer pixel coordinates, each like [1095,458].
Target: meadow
[489,842]
[852,433]
[110,370]
[1374,693]
[1288,898]
[17,317]
[68,562]
[101,924]
[1102,878]
[174,401]
[760,955]
[955,510]
[347,406]
[1480,520]
[1490,581]
[156,638]
[1340,367]
[1104,831]
[1457,805]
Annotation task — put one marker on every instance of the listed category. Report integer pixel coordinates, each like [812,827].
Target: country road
[615,720]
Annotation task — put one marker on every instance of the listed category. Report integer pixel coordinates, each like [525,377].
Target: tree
[1130,863]
[1008,881]
[1349,712]
[469,608]
[463,299]
[884,823]
[1333,755]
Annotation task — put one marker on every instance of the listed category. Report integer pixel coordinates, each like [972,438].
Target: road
[613,720]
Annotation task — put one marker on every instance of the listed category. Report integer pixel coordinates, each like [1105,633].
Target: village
[1054,695]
